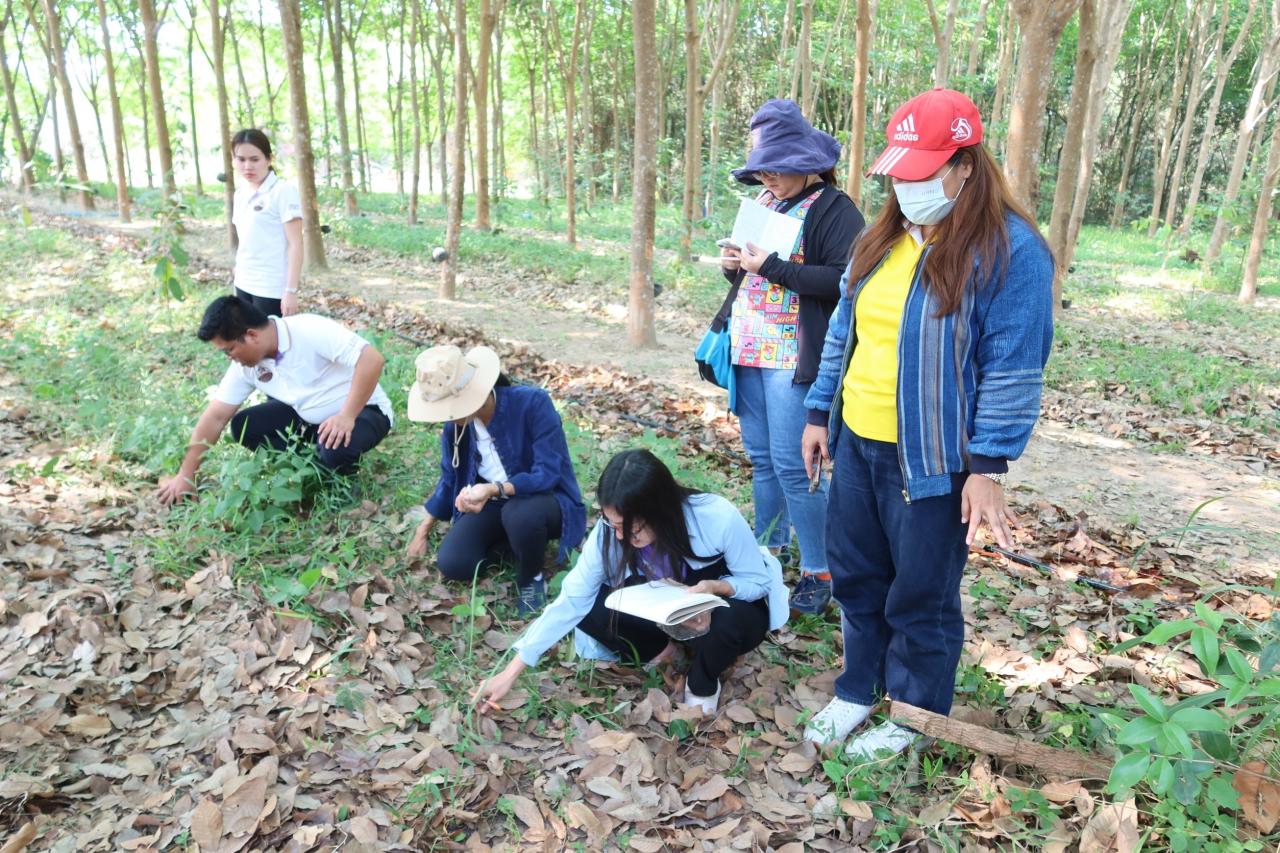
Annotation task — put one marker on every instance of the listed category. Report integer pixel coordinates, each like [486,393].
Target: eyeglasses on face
[764,175]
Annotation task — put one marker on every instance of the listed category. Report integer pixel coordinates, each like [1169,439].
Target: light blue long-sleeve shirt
[716,529]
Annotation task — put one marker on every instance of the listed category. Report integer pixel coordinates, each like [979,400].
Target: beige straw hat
[450,385]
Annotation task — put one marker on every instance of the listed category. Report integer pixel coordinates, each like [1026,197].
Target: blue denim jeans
[895,572]
[772,415]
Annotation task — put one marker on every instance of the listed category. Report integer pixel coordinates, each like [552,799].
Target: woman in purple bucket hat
[778,324]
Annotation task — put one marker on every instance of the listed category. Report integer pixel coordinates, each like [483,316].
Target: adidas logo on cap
[906,131]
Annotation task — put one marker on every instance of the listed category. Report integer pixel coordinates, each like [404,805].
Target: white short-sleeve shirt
[311,372]
[259,214]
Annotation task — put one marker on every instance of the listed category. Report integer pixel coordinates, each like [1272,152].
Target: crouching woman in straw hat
[930,380]
[506,477]
[652,529]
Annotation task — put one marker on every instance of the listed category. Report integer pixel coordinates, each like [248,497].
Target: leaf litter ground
[146,711]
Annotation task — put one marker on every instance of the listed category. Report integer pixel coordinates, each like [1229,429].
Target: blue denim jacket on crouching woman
[529,437]
[969,382]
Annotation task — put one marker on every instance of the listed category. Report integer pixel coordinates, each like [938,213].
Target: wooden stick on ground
[1047,759]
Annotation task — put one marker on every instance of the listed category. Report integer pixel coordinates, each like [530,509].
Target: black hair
[828,177]
[228,318]
[641,489]
[255,137]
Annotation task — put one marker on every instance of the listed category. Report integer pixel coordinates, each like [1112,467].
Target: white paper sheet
[771,231]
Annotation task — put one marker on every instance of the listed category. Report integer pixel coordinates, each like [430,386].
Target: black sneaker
[531,598]
[812,594]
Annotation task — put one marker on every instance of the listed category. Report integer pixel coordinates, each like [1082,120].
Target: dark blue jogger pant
[895,572]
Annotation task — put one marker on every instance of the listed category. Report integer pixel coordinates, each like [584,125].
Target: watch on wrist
[998,479]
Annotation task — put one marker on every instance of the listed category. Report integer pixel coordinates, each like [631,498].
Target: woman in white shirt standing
[652,528]
[267,214]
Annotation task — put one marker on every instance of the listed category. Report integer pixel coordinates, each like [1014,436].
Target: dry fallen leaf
[1113,829]
[364,830]
[1259,795]
[527,811]
[206,824]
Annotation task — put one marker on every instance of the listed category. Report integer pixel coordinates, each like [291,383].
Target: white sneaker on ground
[836,721]
[883,741]
[708,704]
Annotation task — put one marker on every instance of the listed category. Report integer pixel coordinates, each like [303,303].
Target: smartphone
[727,243]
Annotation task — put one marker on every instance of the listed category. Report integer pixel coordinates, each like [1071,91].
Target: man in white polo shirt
[321,380]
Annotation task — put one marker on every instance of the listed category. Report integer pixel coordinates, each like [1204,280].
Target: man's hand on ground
[175,489]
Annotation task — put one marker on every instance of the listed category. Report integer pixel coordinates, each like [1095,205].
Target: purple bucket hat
[782,140]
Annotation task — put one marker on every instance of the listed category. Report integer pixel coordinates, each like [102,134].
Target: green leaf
[1269,687]
[309,578]
[1138,730]
[1223,793]
[1176,739]
[1186,783]
[1211,617]
[1238,691]
[26,216]
[1270,657]
[285,495]
[180,257]
[1158,635]
[1153,707]
[174,285]
[1160,776]
[1199,720]
[1128,771]
[1205,645]
[1218,745]
[162,269]
[1238,664]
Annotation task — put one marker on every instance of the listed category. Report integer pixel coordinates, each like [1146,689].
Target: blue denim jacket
[530,440]
[969,382]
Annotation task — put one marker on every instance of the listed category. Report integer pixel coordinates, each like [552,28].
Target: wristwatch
[998,479]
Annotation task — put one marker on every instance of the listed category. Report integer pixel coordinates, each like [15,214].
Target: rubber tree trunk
[457,150]
[1041,23]
[1200,55]
[480,159]
[1072,143]
[641,330]
[1255,110]
[218,44]
[151,28]
[85,193]
[1261,219]
[415,159]
[312,240]
[191,103]
[1160,173]
[336,40]
[26,176]
[124,207]
[858,108]
[1207,136]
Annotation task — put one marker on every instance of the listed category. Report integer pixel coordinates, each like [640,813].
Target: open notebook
[661,602]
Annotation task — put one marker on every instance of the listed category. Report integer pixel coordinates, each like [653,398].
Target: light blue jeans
[772,415]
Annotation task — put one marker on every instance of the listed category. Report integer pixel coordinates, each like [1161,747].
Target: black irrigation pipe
[1048,570]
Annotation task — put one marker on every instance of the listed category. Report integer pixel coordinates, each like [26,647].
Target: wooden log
[1047,759]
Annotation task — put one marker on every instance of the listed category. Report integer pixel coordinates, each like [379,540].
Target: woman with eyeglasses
[652,528]
[929,386]
[777,325]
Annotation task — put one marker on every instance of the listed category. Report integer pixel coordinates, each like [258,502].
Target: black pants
[519,526]
[269,422]
[735,630]
[265,304]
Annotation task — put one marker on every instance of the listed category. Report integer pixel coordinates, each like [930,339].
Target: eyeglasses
[764,175]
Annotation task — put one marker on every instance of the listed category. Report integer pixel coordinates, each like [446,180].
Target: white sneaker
[836,721]
[708,704]
[883,741]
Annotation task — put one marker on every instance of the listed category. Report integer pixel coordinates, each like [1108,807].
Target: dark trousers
[520,526]
[735,630]
[264,304]
[271,422]
[895,572]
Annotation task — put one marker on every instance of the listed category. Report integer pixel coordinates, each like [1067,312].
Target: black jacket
[830,227]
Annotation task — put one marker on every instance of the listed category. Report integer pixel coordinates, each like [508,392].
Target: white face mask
[925,202]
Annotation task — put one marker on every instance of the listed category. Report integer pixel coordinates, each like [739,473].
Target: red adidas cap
[925,132]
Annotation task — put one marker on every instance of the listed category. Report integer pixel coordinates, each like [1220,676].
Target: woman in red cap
[777,327]
[929,385]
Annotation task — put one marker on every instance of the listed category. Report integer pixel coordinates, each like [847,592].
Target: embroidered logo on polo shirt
[907,129]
